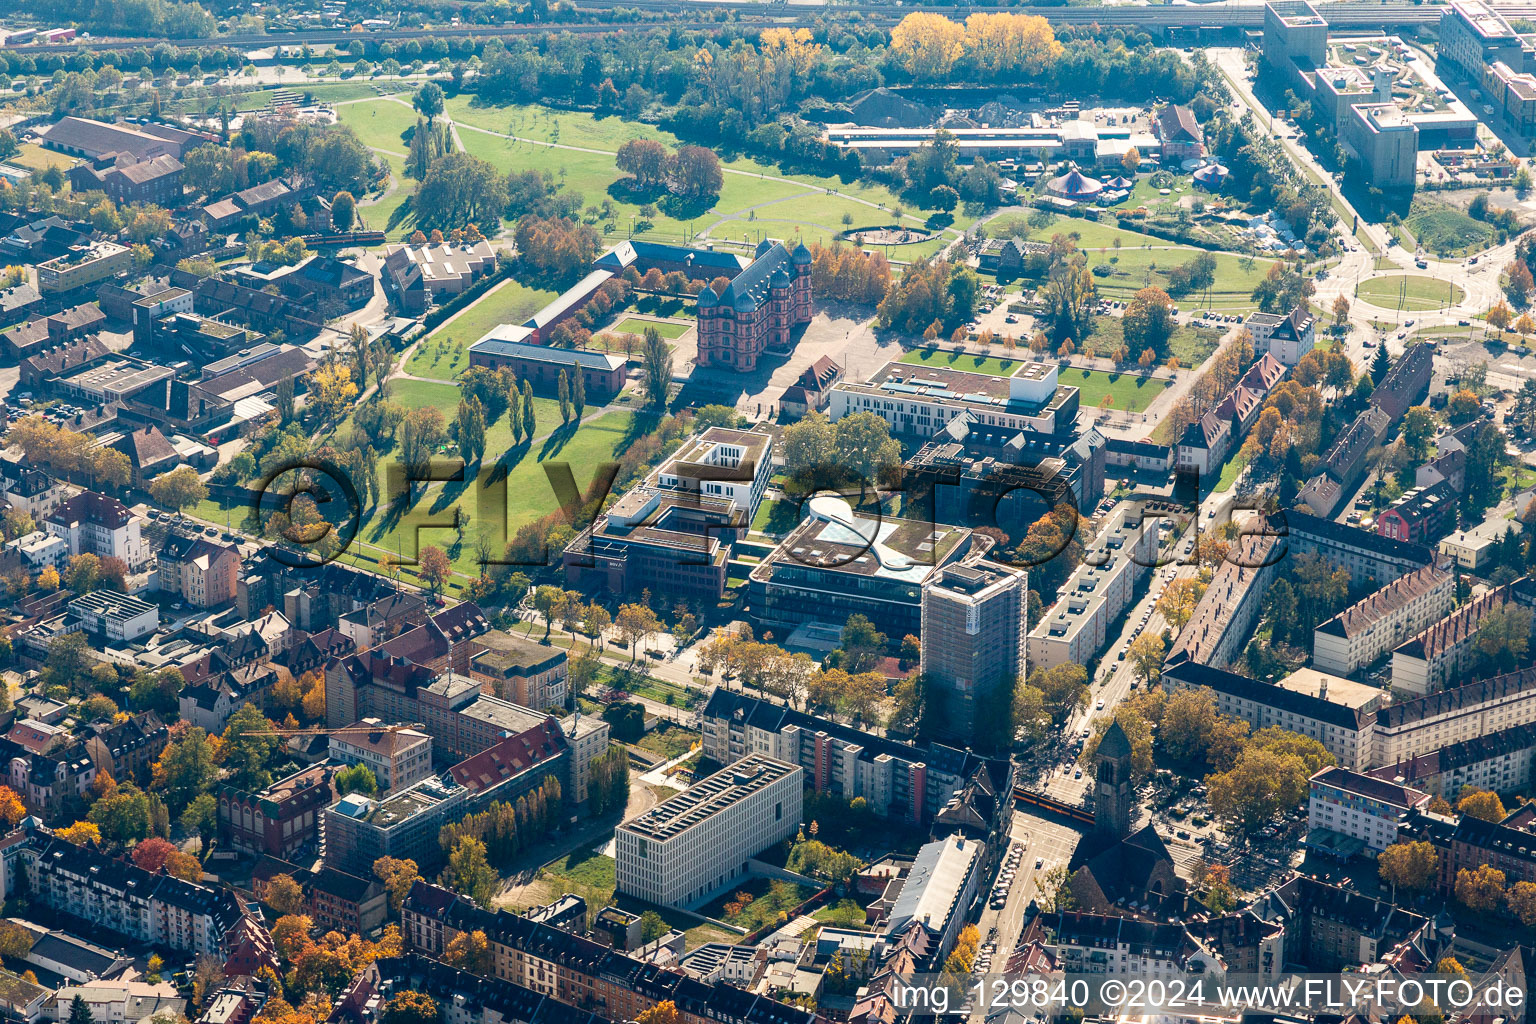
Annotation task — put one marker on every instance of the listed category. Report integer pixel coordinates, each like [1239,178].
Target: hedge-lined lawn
[510,302]
[634,325]
[528,494]
[1410,292]
[1134,269]
[1127,392]
[955,359]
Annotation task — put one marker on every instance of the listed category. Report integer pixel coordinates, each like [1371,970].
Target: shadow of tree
[558,439]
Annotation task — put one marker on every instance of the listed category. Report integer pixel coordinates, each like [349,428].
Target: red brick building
[757,311]
[280,821]
[602,374]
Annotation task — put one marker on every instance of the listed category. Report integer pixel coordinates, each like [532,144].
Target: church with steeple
[758,311]
[1116,869]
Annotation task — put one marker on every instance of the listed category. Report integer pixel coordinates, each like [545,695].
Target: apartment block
[1074,629]
[1120,946]
[1287,337]
[1444,651]
[398,757]
[1367,630]
[897,780]
[571,971]
[1359,806]
[1502,761]
[92,523]
[1408,729]
[82,266]
[1224,618]
[120,897]
[1345,729]
[974,622]
[1473,37]
[699,841]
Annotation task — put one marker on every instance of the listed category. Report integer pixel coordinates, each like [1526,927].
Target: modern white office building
[697,843]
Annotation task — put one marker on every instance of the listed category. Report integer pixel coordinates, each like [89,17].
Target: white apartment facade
[1345,732]
[699,842]
[1097,593]
[1360,634]
[1359,806]
[1412,728]
[92,523]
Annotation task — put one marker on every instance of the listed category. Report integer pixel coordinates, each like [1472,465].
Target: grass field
[584,874]
[634,325]
[752,203]
[669,741]
[441,356]
[955,359]
[1127,392]
[528,493]
[843,914]
[1445,230]
[36,158]
[1134,269]
[777,516]
[1091,234]
[1191,344]
[1410,292]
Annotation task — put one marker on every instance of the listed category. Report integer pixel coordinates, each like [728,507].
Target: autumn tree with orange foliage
[12,809]
[849,274]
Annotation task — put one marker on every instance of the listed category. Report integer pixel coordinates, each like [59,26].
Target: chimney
[1322,688]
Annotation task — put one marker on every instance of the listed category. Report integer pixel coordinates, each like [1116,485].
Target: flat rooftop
[1335,689]
[980,391]
[906,550]
[1296,13]
[708,797]
[1482,19]
[120,375]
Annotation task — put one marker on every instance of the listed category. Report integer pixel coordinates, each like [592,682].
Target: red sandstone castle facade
[757,311]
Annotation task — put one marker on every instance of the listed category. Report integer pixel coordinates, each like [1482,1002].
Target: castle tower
[801,258]
[1113,792]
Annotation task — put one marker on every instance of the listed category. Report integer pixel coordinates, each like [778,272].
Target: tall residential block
[974,631]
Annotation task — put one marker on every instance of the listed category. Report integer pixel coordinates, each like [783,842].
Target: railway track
[750,13]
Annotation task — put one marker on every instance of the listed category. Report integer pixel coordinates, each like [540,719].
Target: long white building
[697,843]
[1363,632]
[1097,592]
